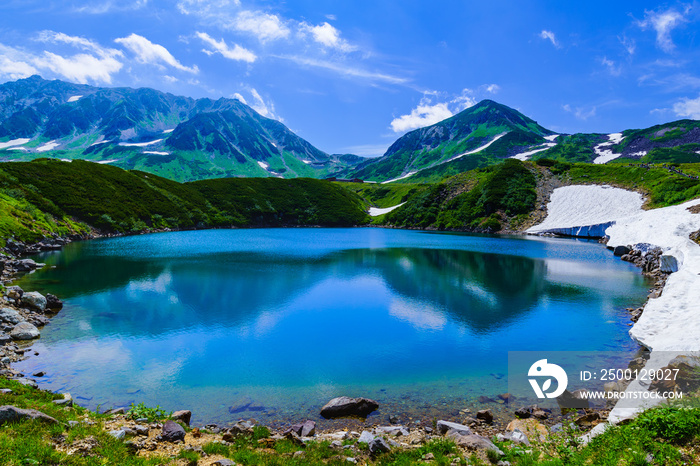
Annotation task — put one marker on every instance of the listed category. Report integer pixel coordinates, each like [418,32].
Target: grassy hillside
[49,196]
[476,200]
[503,196]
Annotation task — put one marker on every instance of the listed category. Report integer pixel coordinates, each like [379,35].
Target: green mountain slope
[178,137]
[487,127]
[47,196]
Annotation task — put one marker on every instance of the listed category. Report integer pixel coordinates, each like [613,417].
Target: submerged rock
[485,415]
[345,406]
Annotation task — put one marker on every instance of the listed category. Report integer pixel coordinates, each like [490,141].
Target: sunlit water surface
[271,323]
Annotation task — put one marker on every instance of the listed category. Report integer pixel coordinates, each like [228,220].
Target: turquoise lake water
[272,323]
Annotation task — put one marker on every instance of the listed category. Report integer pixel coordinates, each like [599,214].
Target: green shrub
[141,411]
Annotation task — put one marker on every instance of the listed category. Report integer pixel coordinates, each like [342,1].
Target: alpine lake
[270,324]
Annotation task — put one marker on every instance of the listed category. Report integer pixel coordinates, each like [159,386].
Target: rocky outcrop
[10,316]
[24,331]
[183,416]
[474,442]
[444,427]
[344,406]
[172,432]
[10,413]
[34,301]
[304,429]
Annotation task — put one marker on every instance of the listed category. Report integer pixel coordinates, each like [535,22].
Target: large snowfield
[670,324]
[574,206]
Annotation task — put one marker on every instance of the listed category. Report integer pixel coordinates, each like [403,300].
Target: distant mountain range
[188,139]
[489,132]
[177,137]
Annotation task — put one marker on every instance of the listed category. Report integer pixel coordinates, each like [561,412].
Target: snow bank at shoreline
[672,321]
[579,206]
[670,324]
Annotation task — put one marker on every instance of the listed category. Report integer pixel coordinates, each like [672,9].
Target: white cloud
[422,115]
[228,15]
[613,68]
[428,112]
[266,109]
[345,70]
[240,98]
[80,68]
[264,26]
[331,17]
[13,65]
[153,54]
[688,108]
[236,53]
[580,112]
[549,35]
[96,63]
[328,36]
[493,88]
[257,103]
[629,44]
[663,22]
[109,7]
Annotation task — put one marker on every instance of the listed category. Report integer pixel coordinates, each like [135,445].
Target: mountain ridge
[152,130]
[188,139]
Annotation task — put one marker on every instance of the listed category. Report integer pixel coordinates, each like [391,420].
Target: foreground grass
[32,442]
[669,435]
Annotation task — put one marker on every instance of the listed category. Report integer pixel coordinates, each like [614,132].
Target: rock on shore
[345,406]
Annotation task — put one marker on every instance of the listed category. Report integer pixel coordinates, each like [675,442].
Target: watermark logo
[542,369]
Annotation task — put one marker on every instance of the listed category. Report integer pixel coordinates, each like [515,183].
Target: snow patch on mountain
[376,211]
[478,149]
[401,177]
[606,155]
[140,144]
[48,146]
[523,156]
[14,142]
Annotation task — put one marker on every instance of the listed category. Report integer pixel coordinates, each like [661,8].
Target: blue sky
[353,76]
